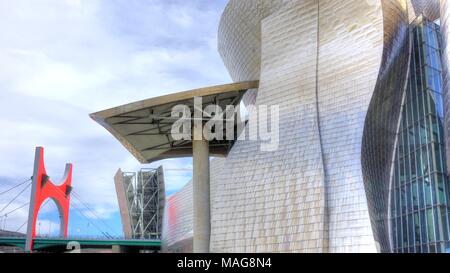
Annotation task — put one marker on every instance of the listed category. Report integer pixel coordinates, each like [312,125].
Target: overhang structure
[144,127]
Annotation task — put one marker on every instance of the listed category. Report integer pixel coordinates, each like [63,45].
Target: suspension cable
[76,207]
[15,197]
[92,211]
[16,209]
[16,186]
[82,213]
[24,223]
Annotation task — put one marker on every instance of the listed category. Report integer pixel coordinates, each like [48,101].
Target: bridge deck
[44,243]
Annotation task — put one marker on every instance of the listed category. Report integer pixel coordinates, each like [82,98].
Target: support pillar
[201,192]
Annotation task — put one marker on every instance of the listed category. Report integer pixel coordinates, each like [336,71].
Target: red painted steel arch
[43,189]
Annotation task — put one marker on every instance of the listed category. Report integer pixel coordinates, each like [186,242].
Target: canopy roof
[144,127]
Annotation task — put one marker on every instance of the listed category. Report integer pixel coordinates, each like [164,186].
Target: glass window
[405,231]
[425,169]
[411,229]
[420,104]
[415,196]
[402,172]
[434,189]
[441,189]
[413,166]
[416,228]
[403,199]
[421,193]
[437,157]
[421,190]
[434,129]
[430,225]
[409,197]
[419,164]
[423,226]
[427,185]
[399,232]
[439,233]
[423,132]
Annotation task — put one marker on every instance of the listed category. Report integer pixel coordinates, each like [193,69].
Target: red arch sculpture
[42,189]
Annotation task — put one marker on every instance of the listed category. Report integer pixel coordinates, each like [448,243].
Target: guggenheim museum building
[362,163]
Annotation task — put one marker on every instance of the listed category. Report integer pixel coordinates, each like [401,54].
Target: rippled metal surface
[428,8]
[445,24]
[309,196]
[383,117]
[338,70]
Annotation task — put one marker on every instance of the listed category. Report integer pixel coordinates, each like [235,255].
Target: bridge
[70,244]
[42,191]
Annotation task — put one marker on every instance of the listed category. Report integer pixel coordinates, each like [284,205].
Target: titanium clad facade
[177,233]
[350,51]
[178,222]
[275,202]
[428,8]
[317,171]
[382,120]
[345,77]
[445,29]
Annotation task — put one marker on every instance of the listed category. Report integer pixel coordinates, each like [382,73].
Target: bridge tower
[43,189]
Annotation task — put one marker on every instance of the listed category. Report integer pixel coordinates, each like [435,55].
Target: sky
[61,60]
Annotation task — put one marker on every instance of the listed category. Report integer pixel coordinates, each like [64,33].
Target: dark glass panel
[416,228]
[430,225]
[423,226]
[415,196]
[427,186]
[421,193]
[410,229]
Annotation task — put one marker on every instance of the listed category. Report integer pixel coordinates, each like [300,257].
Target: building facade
[420,193]
[364,120]
[346,75]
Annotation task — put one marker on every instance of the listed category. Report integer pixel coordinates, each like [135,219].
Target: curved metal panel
[427,8]
[178,221]
[383,117]
[275,201]
[350,51]
[445,23]
[319,61]
[178,216]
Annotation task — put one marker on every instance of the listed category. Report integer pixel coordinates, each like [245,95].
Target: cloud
[62,60]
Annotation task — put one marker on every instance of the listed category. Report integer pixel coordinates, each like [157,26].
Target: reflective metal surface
[445,30]
[383,117]
[178,216]
[320,61]
[339,71]
[428,8]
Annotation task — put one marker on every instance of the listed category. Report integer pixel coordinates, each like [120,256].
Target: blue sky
[63,59]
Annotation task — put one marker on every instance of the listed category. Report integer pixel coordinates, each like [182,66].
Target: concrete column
[201,192]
